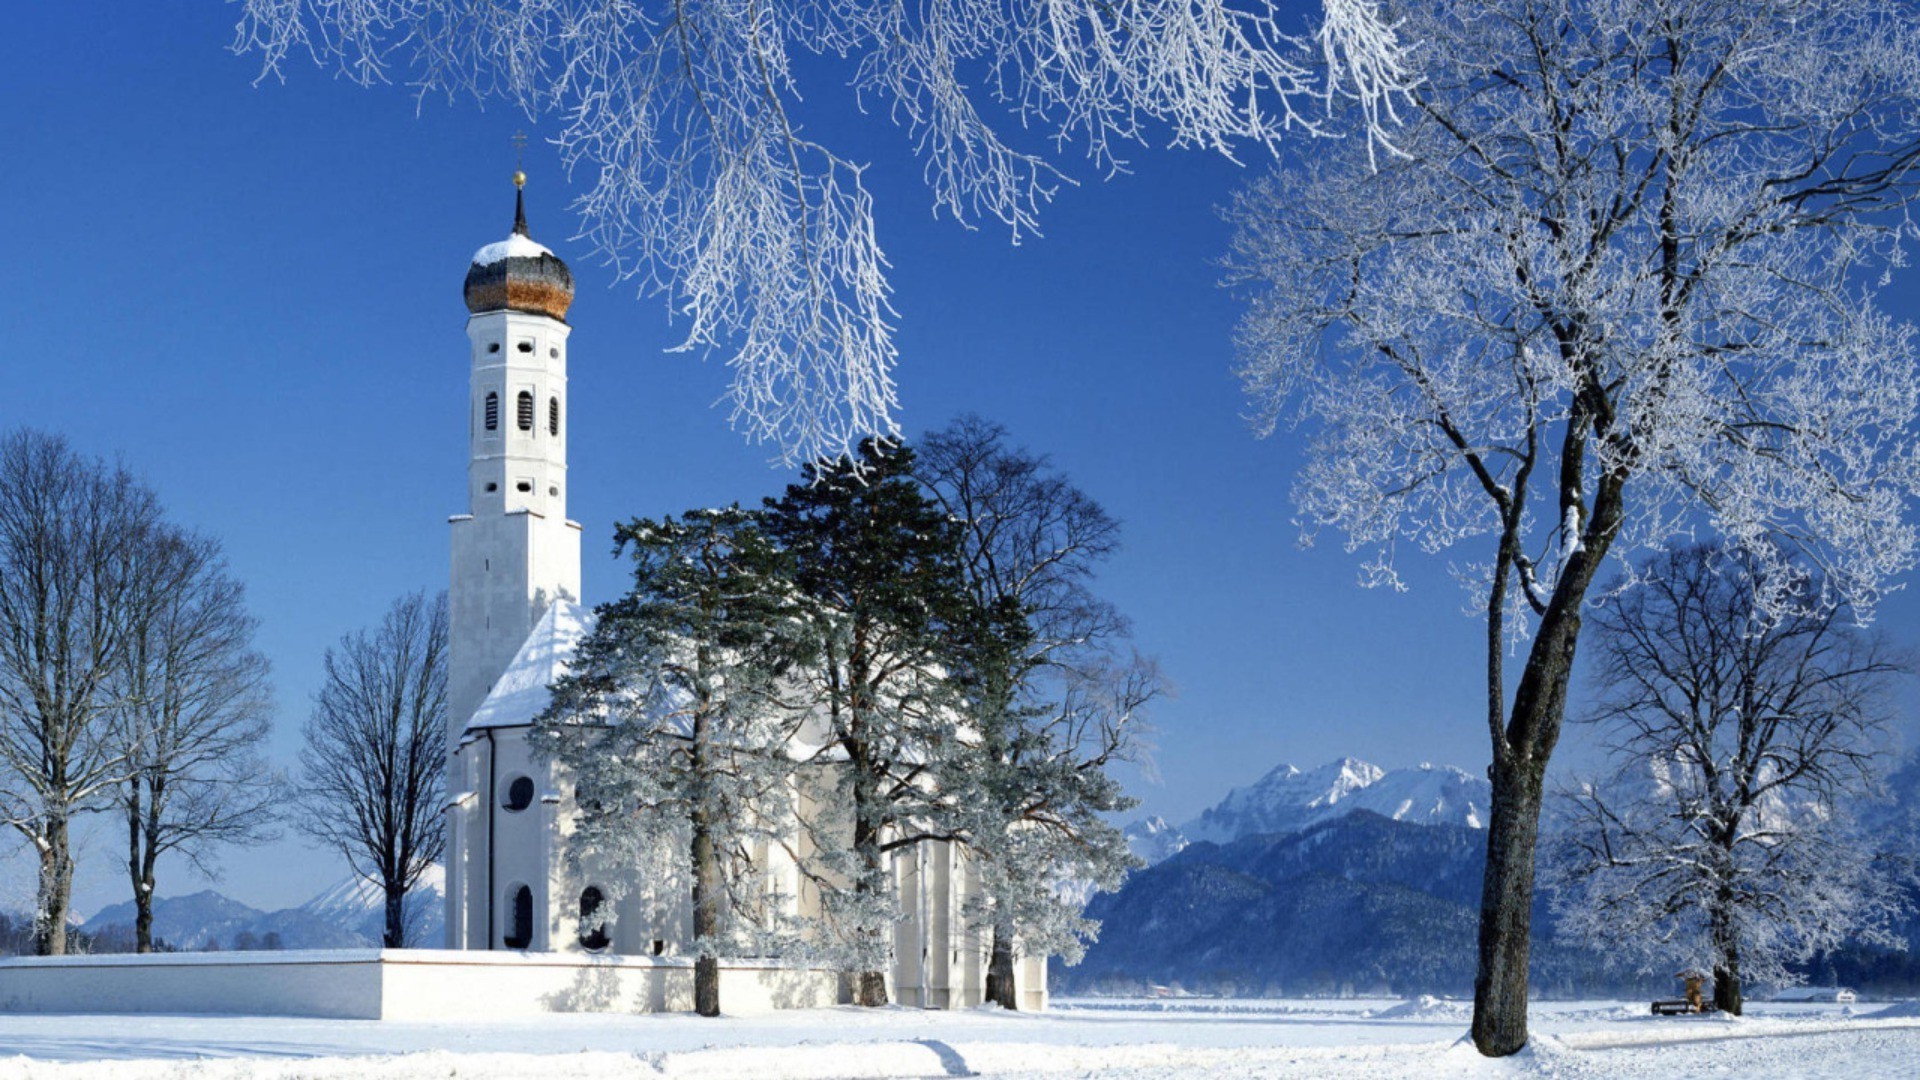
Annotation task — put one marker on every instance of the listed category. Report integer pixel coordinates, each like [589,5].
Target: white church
[515,616]
[528,930]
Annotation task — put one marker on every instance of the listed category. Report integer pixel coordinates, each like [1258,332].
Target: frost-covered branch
[688,119]
[1739,742]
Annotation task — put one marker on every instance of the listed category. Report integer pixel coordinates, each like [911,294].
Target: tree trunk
[140,872]
[396,935]
[143,921]
[1520,752]
[1506,913]
[706,917]
[1726,965]
[870,986]
[56,891]
[1000,987]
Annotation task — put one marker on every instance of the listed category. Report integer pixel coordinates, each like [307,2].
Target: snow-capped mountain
[1287,799]
[358,905]
[210,920]
[350,915]
[1152,840]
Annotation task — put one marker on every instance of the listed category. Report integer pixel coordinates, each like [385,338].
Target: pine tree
[878,563]
[672,720]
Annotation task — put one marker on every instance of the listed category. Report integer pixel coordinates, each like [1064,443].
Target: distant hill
[1353,905]
[350,915]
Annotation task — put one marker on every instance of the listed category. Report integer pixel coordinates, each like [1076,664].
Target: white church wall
[344,984]
[395,984]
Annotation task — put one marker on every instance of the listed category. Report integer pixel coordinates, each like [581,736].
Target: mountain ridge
[1288,799]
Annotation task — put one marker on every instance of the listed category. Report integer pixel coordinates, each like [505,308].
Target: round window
[519,794]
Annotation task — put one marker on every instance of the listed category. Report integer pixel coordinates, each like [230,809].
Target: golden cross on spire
[519,159]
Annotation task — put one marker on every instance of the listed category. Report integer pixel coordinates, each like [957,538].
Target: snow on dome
[514,246]
[521,693]
[519,274]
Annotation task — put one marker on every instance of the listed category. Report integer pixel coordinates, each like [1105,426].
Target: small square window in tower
[523,407]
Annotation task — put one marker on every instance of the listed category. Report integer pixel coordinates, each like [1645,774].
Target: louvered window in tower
[493,411]
[553,416]
[524,406]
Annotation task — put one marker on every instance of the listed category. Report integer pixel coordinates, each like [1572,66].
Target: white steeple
[514,551]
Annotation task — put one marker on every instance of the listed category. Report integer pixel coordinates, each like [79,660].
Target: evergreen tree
[878,564]
[672,721]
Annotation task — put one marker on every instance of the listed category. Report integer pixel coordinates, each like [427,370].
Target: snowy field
[1125,1040]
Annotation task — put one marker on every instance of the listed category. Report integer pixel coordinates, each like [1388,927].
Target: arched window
[520,921]
[553,416]
[519,794]
[493,411]
[524,406]
[593,929]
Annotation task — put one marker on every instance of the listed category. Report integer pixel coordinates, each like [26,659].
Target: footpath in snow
[1125,1040]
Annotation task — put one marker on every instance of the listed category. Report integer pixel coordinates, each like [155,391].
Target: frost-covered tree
[77,537]
[192,711]
[1050,694]
[1619,283]
[373,771]
[876,562]
[1033,801]
[673,724]
[1739,736]
[690,122]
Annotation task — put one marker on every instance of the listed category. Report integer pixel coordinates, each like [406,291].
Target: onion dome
[518,274]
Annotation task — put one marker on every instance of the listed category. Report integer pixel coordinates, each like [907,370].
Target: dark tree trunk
[706,917]
[143,920]
[1000,987]
[396,935]
[140,874]
[1520,751]
[870,987]
[1726,967]
[1506,913]
[56,891]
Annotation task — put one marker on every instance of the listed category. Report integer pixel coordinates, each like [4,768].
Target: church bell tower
[514,551]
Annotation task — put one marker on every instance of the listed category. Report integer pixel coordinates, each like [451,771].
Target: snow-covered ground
[1134,1040]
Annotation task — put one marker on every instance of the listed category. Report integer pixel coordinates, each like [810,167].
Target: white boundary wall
[396,984]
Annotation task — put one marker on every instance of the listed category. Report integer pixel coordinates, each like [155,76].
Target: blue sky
[252,294]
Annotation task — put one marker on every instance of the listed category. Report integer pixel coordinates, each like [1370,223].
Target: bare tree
[1620,285]
[1739,738]
[373,770]
[193,710]
[1050,692]
[688,120]
[77,537]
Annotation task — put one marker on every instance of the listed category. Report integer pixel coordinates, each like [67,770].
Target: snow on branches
[1624,278]
[1739,741]
[687,116]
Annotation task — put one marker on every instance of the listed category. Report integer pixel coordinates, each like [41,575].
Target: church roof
[518,273]
[521,693]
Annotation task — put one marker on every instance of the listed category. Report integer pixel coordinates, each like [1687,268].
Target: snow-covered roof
[514,246]
[521,693]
